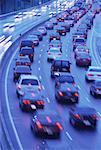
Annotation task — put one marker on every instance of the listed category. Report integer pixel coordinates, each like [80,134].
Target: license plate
[54,38]
[49,131]
[87,123]
[33,107]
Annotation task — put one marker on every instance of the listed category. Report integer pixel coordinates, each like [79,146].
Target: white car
[93,73]
[53,53]
[26,81]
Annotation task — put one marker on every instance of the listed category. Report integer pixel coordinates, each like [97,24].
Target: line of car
[28,86]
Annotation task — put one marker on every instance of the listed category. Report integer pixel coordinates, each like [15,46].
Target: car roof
[85,110]
[29,77]
[67,87]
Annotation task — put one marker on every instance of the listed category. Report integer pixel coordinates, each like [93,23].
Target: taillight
[59,125]
[40,102]
[90,74]
[21,54]
[17,63]
[76,94]
[26,102]
[60,93]
[49,53]
[31,54]
[48,119]
[32,46]
[77,116]
[94,116]
[19,87]
[39,125]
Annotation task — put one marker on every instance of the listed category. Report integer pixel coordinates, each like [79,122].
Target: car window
[26,51]
[29,81]
[95,70]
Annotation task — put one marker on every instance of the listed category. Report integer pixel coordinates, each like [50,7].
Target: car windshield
[29,81]
[95,70]
[54,51]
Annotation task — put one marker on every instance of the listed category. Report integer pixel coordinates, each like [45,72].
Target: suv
[59,66]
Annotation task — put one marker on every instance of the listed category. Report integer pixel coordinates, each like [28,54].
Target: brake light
[39,125]
[19,87]
[26,102]
[32,46]
[48,119]
[90,74]
[77,116]
[26,64]
[31,54]
[59,125]
[60,93]
[94,116]
[49,53]
[21,54]
[40,102]
[76,94]
[17,63]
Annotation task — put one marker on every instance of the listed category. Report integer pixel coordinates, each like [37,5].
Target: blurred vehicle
[56,43]
[23,60]
[93,73]
[59,66]
[26,81]
[54,36]
[66,93]
[81,48]
[83,59]
[78,41]
[95,88]
[61,30]
[46,125]
[83,117]
[19,70]
[79,34]
[27,51]
[49,25]
[42,29]
[38,34]
[53,53]
[31,100]
[34,38]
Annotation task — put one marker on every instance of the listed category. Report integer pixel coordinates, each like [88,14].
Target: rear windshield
[29,81]
[26,43]
[95,70]
[26,51]
[63,79]
[80,40]
[23,69]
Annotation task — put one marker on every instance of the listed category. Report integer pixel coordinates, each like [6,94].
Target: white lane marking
[88,99]
[39,61]
[40,77]
[69,136]
[79,87]
[39,69]
[43,87]
[7,102]
[99,114]
[40,55]
[48,100]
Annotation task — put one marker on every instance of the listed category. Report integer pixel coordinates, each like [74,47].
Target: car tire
[87,79]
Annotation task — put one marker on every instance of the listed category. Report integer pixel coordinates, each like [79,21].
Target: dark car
[54,36]
[31,100]
[43,30]
[49,25]
[83,117]
[61,30]
[83,59]
[34,38]
[59,66]
[27,51]
[38,34]
[66,93]
[78,41]
[28,43]
[55,43]
[23,60]
[64,78]
[19,70]
[46,125]
[95,88]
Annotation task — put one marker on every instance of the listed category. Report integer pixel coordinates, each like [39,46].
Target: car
[60,30]
[83,117]
[93,73]
[95,88]
[78,41]
[23,60]
[38,34]
[42,29]
[66,26]
[25,81]
[46,125]
[31,100]
[54,36]
[27,51]
[56,43]
[70,22]
[64,78]
[49,25]
[19,70]
[27,43]
[59,66]
[83,59]
[81,48]
[60,18]
[79,34]
[34,38]
[66,93]
[82,27]
[53,53]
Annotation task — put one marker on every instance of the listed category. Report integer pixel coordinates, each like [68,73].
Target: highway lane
[71,138]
